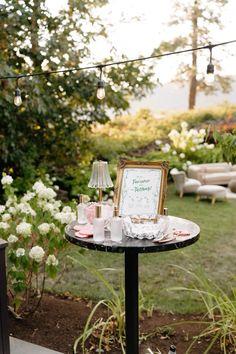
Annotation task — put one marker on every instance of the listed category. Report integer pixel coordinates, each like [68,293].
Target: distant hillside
[171,97]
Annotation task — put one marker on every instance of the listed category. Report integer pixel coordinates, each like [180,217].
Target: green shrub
[33,225]
[226,144]
[125,134]
[185,147]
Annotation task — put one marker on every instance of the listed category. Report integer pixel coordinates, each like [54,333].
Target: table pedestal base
[131,303]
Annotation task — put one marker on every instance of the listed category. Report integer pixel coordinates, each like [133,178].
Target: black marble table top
[129,244]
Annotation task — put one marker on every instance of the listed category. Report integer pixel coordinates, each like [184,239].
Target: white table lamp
[100,177]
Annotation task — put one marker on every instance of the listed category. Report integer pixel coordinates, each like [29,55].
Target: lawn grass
[213,254]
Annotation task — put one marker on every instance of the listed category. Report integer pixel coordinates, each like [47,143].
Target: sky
[134,38]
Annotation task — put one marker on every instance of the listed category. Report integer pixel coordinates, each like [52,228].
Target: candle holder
[100,177]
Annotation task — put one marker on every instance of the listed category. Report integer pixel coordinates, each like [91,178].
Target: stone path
[19,346]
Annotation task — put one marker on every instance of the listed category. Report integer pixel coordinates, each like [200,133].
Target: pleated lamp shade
[100,177]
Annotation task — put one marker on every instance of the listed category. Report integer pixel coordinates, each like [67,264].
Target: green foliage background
[61,126]
[50,130]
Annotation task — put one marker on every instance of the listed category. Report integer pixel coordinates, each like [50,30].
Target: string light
[17,98]
[101,86]
[210,77]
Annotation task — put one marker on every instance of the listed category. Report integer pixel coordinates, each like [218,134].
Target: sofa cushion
[197,171]
[209,189]
[218,177]
[219,168]
[191,185]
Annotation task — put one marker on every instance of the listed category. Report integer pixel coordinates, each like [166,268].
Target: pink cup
[90,211]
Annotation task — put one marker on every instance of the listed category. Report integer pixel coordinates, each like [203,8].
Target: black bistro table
[131,248]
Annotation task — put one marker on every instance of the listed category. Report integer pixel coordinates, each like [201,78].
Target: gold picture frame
[140,187]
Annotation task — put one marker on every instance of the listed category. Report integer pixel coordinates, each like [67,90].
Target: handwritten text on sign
[140,191]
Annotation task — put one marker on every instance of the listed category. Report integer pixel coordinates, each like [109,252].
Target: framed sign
[141,187]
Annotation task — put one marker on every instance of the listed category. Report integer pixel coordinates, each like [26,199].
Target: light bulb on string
[100,86]
[210,77]
[17,97]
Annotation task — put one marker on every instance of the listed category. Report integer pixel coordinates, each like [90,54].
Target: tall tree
[197,18]
[50,128]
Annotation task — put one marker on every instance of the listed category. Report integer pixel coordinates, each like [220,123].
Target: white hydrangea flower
[51,193]
[202,132]
[173,134]
[210,146]
[37,253]
[38,186]
[48,207]
[24,228]
[182,145]
[47,193]
[6,180]
[182,155]
[11,200]
[184,125]
[12,239]
[193,149]
[57,204]
[4,225]
[27,197]
[165,148]
[44,228]
[174,153]
[12,210]
[6,217]
[41,203]
[195,141]
[192,133]
[20,252]
[56,187]
[184,166]
[52,260]
[52,226]
[188,163]
[25,208]
[65,218]
[158,142]
[42,191]
[2,208]
[56,230]
[66,209]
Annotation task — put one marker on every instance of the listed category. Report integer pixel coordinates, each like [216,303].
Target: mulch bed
[59,321]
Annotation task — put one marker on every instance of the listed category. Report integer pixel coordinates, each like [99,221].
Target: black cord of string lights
[101,66]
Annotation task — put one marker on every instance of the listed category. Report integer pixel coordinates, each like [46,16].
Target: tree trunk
[35,49]
[193,78]
[193,84]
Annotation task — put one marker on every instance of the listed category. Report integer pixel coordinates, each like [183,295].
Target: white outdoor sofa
[220,173]
[183,184]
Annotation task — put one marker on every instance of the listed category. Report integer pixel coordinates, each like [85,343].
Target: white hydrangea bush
[33,226]
[186,145]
